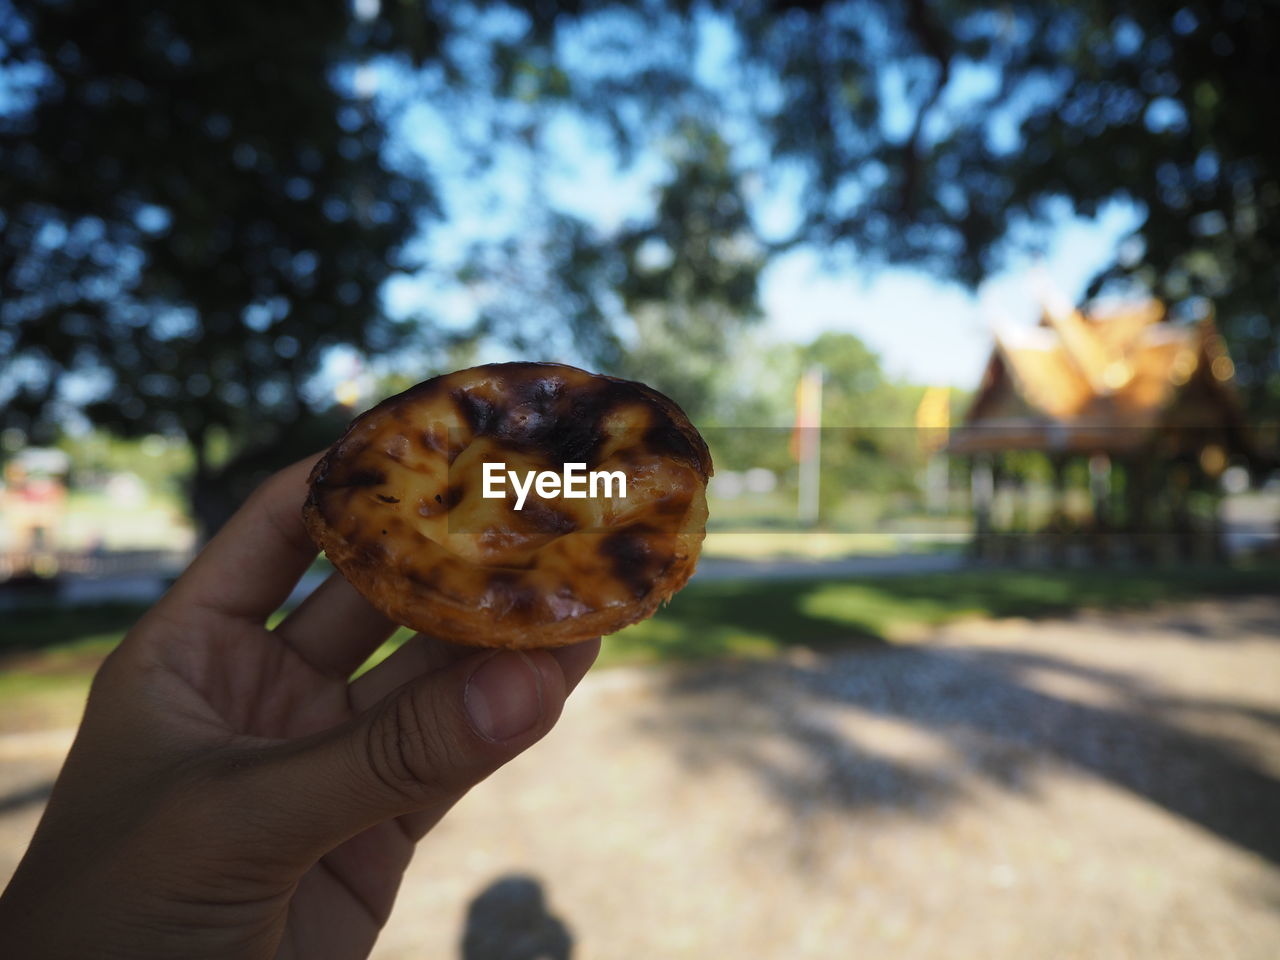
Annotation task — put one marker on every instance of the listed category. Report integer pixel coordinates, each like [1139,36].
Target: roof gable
[1121,372]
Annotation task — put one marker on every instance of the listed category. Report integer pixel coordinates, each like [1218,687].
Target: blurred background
[975,303]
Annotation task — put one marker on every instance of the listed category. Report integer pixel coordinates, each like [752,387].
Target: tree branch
[933,38]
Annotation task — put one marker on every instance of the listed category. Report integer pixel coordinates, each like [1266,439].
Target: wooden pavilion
[1140,405]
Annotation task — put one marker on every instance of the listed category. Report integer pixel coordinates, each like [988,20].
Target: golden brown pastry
[399,504]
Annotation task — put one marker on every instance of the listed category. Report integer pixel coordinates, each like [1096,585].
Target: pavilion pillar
[1137,506]
[1100,495]
[1058,509]
[1180,511]
[981,495]
[1212,541]
[1024,545]
[1219,532]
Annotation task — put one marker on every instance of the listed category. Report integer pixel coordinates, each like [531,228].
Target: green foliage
[158,461]
[197,203]
[195,209]
[935,131]
[940,133]
[869,441]
[686,279]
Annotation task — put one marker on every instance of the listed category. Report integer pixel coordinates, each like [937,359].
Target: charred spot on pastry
[576,441]
[522,566]
[542,518]
[665,440]
[632,556]
[479,413]
[536,395]
[540,420]
[453,495]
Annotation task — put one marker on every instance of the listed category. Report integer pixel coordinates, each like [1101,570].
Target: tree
[663,298]
[868,441]
[933,131]
[197,202]
[194,208]
[687,280]
[941,133]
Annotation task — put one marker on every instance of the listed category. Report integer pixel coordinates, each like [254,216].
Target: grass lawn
[47,656]
[819,545]
[752,618]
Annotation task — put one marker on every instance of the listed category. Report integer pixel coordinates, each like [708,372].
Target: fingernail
[504,696]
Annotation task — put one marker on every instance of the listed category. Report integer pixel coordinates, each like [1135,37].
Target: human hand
[230,794]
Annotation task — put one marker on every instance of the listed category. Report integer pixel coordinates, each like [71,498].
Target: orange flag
[808,409]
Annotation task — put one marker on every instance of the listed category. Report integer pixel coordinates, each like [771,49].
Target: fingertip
[553,682]
[509,694]
[575,660]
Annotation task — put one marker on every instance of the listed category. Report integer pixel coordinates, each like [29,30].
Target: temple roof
[1103,382]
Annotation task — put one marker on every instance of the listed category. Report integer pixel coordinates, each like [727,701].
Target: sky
[925,329]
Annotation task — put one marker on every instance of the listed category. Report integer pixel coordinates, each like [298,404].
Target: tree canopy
[192,212]
[199,202]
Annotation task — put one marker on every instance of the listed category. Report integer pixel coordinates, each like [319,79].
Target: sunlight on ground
[1101,785]
[47,655]
[811,545]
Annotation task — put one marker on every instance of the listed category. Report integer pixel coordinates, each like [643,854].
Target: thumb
[419,749]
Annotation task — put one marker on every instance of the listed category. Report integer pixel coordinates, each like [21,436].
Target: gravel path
[1106,786]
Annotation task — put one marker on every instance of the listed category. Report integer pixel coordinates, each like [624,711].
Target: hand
[230,794]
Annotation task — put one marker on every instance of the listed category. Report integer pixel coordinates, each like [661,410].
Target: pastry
[515,505]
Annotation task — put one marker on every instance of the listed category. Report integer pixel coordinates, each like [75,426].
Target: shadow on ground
[910,727]
[510,920]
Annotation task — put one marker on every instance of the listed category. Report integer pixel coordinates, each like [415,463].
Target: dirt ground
[1106,786]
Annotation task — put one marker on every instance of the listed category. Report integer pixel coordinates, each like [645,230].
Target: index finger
[249,568]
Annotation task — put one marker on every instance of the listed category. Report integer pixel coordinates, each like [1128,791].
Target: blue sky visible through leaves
[926,329]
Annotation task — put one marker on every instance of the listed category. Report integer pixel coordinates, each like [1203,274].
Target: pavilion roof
[1103,382]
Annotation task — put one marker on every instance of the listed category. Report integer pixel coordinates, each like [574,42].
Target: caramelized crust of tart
[397,505]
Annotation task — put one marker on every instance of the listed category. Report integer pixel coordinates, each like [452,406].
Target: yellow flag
[933,418]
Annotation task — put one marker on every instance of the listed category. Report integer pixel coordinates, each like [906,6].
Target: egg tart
[515,505]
